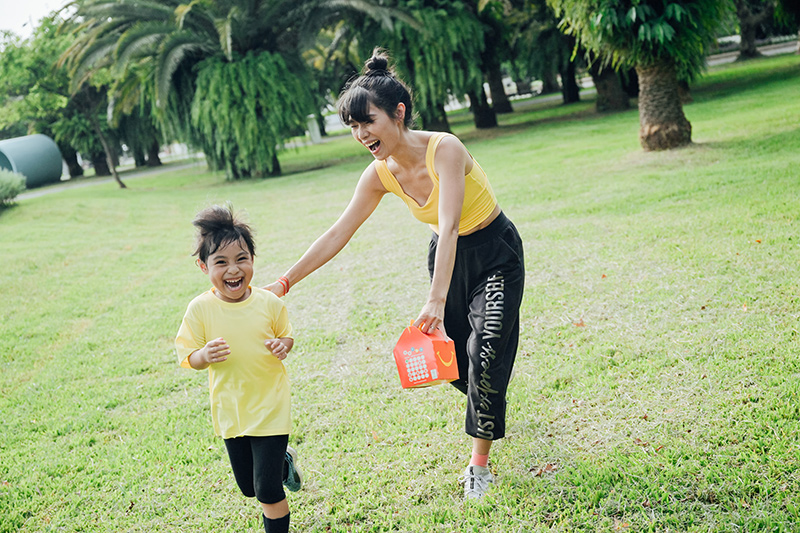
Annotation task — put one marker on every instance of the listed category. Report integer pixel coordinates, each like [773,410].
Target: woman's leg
[482,317]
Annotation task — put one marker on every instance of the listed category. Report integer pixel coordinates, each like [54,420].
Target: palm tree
[665,41]
[334,59]
[436,51]
[227,76]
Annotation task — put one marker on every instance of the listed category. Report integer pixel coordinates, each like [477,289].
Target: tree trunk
[748,24]
[747,48]
[685,92]
[500,101]
[630,82]
[107,149]
[550,82]
[482,112]
[523,87]
[152,155]
[100,164]
[610,94]
[435,119]
[71,158]
[570,91]
[139,158]
[276,166]
[662,124]
[321,123]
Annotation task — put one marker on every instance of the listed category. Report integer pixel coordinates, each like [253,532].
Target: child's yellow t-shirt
[249,390]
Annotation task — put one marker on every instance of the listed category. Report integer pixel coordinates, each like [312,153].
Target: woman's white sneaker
[476,481]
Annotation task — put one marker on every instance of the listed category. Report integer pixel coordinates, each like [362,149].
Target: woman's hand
[215,351]
[276,288]
[431,317]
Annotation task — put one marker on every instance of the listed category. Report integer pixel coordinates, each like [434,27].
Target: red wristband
[284,283]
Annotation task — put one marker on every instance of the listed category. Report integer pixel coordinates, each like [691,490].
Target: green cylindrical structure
[34,156]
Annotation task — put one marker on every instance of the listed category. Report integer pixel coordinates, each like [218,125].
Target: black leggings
[257,464]
[482,317]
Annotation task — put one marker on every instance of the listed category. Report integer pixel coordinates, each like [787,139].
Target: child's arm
[279,347]
[213,352]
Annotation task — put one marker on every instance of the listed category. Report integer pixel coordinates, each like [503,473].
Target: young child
[242,334]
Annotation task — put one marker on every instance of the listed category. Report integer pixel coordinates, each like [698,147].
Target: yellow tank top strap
[387,178]
[431,153]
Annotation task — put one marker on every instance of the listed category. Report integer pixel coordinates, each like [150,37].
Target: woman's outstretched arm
[366,197]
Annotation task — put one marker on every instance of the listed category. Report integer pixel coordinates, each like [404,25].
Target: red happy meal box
[425,359]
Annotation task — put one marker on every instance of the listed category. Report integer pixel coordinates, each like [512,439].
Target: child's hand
[278,347]
[215,351]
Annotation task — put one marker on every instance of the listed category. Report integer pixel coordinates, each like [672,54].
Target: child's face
[230,269]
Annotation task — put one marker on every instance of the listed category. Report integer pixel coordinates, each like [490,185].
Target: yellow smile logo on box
[446,363]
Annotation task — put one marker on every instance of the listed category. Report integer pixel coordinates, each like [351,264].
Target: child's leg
[269,455]
[276,525]
[257,464]
[240,453]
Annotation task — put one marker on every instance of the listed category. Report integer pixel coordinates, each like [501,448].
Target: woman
[475,257]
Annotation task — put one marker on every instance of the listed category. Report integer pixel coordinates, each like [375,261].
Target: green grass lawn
[657,384]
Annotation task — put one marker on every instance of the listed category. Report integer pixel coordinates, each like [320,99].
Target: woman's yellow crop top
[479,199]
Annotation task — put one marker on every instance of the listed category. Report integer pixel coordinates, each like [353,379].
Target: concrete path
[768,50]
[125,176]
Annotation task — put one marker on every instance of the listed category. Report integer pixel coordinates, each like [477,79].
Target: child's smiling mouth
[234,284]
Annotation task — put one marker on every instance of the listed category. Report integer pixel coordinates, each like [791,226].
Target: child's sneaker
[293,478]
[476,481]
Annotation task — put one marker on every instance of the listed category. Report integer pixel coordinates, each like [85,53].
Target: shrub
[11,184]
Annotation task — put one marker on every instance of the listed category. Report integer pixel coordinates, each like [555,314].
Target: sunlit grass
[657,379]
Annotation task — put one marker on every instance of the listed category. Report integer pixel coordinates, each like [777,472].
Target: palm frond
[93,58]
[175,49]
[140,41]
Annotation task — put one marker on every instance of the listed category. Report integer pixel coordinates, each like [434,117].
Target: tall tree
[494,17]
[35,94]
[541,50]
[228,76]
[611,95]
[752,14]
[333,59]
[664,40]
[437,53]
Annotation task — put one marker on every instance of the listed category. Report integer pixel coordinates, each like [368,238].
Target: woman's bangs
[354,106]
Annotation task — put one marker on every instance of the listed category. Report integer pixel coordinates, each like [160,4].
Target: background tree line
[238,78]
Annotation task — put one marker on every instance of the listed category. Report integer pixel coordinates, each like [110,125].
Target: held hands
[276,288]
[279,347]
[280,287]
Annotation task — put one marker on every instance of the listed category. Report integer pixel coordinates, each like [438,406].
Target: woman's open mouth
[373,146]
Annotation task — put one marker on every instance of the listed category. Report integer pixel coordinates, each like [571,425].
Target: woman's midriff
[489,220]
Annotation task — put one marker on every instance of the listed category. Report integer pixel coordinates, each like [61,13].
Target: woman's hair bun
[378,63]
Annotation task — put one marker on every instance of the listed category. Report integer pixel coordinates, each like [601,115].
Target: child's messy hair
[219,226]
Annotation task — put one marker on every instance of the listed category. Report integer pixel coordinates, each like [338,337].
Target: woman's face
[380,133]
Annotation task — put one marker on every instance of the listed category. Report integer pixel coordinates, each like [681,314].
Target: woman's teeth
[373,146]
